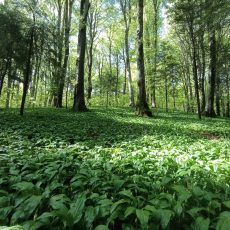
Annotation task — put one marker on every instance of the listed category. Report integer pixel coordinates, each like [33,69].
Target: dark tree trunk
[28,69]
[194,64]
[68,18]
[3,74]
[58,55]
[9,84]
[79,93]
[209,110]
[202,80]
[141,106]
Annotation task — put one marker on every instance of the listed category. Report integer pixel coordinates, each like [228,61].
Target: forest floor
[109,169]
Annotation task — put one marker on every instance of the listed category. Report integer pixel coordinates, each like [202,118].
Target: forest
[114,114]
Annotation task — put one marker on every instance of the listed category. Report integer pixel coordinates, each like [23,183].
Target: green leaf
[178,208]
[116,204]
[90,214]
[202,223]
[227,204]
[165,217]
[127,193]
[101,227]
[26,208]
[224,221]
[129,211]
[24,186]
[76,208]
[143,217]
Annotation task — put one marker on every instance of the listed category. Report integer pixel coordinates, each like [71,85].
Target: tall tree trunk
[68,18]
[28,69]
[202,80]
[79,93]
[126,8]
[58,53]
[194,64]
[156,4]
[141,106]
[209,110]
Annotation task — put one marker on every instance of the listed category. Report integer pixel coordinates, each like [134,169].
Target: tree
[126,11]
[141,105]
[79,94]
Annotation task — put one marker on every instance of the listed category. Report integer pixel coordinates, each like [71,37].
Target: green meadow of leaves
[109,169]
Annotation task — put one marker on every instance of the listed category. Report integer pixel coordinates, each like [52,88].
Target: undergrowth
[109,169]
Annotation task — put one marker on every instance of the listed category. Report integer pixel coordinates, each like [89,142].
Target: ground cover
[109,169]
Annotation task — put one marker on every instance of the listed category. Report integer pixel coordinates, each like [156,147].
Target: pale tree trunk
[93,22]
[156,4]
[125,73]
[141,106]
[79,93]
[209,110]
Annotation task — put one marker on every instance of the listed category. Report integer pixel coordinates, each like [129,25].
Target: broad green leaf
[76,208]
[165,217]
[224,221]
[227,204]
[143,217]
[90,215]
[101,227]
[127,193]
[24,186]
[129,211]
[202,223]
[116,204]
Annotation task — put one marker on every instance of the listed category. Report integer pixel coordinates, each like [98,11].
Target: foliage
[108,169]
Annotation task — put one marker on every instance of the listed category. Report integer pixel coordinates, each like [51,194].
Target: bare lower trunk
[28,71]
[209,110]
[79,94]
[141,106]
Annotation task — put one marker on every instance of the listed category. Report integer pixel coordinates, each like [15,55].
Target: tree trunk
[141,106]
[9,84]
[68,18]
[194,64]
[79,93]
[28,69]
[2,77]
[156,5]
[209,110]
[126,8]
[166,94]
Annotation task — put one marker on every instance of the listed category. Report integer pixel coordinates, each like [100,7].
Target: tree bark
[126,8]
[79,93]
[28,69]
[141,106]
[209,110]
[68,18]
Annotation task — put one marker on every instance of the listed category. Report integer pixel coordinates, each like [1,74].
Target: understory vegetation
[109,169]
